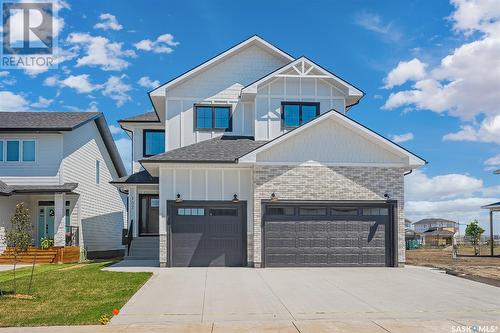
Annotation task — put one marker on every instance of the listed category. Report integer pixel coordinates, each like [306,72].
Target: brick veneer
[326,183]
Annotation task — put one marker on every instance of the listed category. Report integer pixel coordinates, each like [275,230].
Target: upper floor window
[153,142]
[15,150]
[213,117]
[294,114]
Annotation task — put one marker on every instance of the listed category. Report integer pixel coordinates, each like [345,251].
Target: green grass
[66,294]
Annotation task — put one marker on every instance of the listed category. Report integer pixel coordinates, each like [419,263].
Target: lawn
[66,294]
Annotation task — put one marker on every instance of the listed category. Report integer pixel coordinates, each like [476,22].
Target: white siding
[102,206]
[269,97]
[220,84]
[46,168]
[206,183]
[328,141]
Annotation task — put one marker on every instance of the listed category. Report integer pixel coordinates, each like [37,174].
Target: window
[376,211]
[155,202]
[191,211]
[312,211]
[28,151]
[213,117]
[97,172]
[12,151]
[1,151]
[223,212]
[153,142]
[294,114]
[344,211]
[280,211]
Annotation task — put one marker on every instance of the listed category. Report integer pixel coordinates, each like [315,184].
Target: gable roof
[223,149]
[255,39]
[62,122]
[414,160]
[433,220]
[352,91]
[148,117]
[44,121]
[141,177]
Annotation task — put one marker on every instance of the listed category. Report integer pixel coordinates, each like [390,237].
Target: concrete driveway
[208,295]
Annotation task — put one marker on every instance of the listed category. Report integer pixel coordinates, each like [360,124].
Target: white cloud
[399,138]
[10,102]
[404,71]
[146,82]
[4,74]
[91,108]
[374,23]
[124,146]
[487,131]
[117,90]
[60,56]
[465,84]
[100,52]
[419,186]
[80,83]
[108,22]
[7,79]
[42,102]
[163,44]
[493,161]
[115,129]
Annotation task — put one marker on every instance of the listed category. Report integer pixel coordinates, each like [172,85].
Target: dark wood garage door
[208,234]
[327,235]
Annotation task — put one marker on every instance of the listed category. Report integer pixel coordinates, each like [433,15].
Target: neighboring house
[251,160]
[435,231]
[435,223]
[59,164]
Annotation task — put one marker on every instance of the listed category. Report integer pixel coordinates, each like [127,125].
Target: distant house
[59,164]
[435,231]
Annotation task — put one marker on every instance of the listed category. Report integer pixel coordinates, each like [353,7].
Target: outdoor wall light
[178,198]
[274,197]
[387,196]
[235,198]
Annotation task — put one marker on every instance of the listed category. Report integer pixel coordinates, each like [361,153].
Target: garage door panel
[330,240]
[213,237]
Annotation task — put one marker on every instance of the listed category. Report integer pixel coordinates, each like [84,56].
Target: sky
[430,71]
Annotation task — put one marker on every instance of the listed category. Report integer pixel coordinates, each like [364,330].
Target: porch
[53,211]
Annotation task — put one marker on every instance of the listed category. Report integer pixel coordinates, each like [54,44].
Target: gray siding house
[59,164]
[251,159]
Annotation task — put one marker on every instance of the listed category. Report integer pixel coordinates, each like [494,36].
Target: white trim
[339,164]
[413,160]
[161,90]
[252,89]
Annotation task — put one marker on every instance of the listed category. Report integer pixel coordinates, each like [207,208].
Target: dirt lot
[483,269]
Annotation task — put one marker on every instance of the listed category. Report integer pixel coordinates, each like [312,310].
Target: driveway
[208,295]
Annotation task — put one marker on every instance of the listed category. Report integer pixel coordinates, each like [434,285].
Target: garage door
[208,234]
[311,235]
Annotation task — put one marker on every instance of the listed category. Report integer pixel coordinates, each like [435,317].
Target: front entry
[149,215]
[205,233]
[46,214]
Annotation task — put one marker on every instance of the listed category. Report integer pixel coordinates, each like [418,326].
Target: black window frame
[144,131]
[300,104]
[213,107]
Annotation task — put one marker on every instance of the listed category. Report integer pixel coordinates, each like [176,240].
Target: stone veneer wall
[327,183]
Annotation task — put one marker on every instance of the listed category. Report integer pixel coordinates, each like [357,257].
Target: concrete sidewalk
[311,326]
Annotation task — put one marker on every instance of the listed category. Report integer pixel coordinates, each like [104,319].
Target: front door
[149,215]
[45,222]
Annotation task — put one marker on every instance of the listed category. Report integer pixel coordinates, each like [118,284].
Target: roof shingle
[223,149]
[144,117]
[141,177]
[44,121]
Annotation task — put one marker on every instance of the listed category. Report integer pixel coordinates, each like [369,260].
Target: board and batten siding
[101,205]
[214,182]
[45,169]
[219,84]
[344,147]
[269,97]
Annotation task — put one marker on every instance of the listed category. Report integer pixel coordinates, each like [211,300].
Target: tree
[19,235]
[474,231]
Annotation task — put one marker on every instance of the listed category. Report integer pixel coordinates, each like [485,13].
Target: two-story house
[250,159]
[435,224]
[59,164]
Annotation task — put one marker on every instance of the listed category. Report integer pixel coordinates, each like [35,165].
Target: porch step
[144,248]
